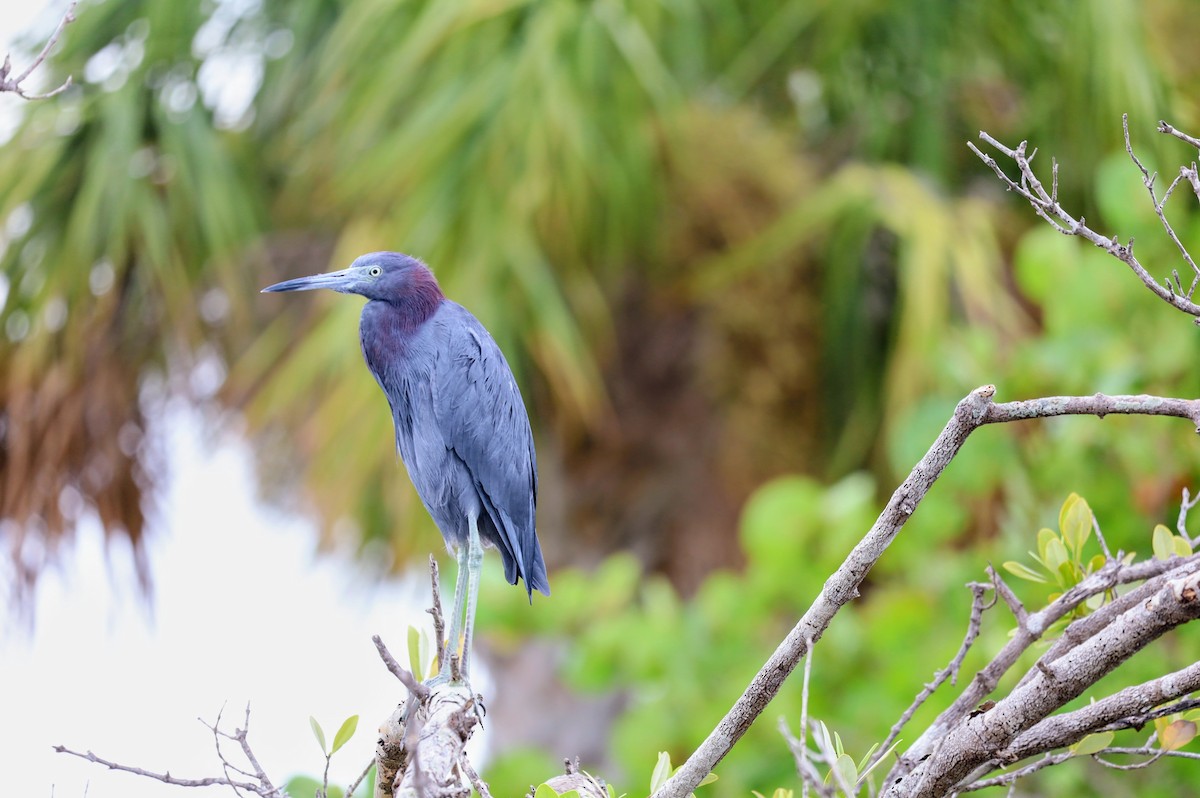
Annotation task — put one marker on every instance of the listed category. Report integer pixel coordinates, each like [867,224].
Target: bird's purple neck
[420,299]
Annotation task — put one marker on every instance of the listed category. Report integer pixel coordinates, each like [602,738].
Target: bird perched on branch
[461,427]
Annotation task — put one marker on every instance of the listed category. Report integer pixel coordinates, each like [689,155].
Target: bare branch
[982,739]
[418,689]
[165,778]
[1163,127]
[1046,205]
[439,623]
[1026,634]
[839,589]
[14,84]
[1154,753]
[1099,405]
[354,785]
[1185,506]
[1155,572]
[261,785]
[1108,714]
[1148,182]
[973,411]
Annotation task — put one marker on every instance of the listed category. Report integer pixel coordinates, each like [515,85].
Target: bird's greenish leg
[474,571]
[456,619]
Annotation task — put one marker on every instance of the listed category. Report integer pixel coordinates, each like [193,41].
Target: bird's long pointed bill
[336,281]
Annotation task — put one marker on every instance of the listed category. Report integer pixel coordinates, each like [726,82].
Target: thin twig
[261,786]
[1185,506]
[1100,537]
[1148,182]
[354,785]
[1155,753]
[804,719]
[1010,598]
[439,623]
[14,84]
[418,689]
[165,778]
[1046,205]
[978,607]
[1163,127]
[479,784]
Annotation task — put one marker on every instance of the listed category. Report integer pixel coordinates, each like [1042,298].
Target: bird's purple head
[386,276]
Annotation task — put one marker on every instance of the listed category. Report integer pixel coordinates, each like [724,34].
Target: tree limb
[1046,205]
[982,739]
[972,411]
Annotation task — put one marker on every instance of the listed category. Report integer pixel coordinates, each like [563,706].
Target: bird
[462,430]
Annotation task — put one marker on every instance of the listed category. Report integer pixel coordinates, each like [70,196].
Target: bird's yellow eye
[375,271]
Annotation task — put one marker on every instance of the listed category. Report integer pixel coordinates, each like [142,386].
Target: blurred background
[741,260]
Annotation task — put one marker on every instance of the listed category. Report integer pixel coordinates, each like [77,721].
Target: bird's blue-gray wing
[483,420]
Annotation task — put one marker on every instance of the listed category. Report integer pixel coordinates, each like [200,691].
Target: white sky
[243,609]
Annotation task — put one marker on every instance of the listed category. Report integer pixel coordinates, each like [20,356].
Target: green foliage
[1167,544]
[305,786]
[422,653]
[344,733]
[846,775]
[628,629]
[663,771]
[1060,554]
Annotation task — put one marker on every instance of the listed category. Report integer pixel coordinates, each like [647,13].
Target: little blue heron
[461,427]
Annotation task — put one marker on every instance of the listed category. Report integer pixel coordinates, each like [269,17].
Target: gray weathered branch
[1045,204]
[975,410]
[982,739]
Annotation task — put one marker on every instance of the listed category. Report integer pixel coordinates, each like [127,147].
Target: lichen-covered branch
[982,739]
[976,409]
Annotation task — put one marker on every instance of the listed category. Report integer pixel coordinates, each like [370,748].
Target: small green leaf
[862,763]
[709,779]
[545,791]
[414,651]
[1182,547]
[826,742]
[344,733]
[1092,743]
[879,761]
[845,766]
[1075,521]
[1056,554]
[1022,571]
[662,772]
[1044,537]
[1069,573]
[1096,563]
[1163,547]
[320,735]
[837,745]
[1177,735]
